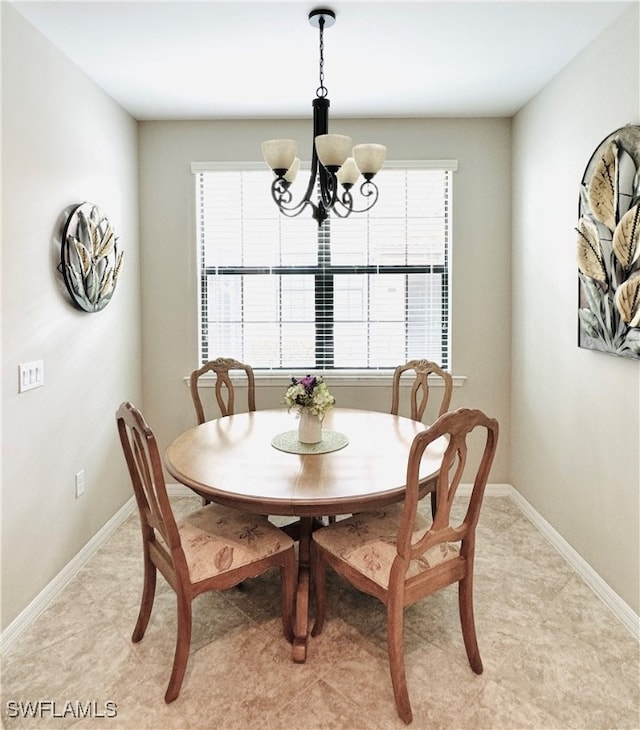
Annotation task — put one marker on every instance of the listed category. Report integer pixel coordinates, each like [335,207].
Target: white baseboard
[44,598]
[623,612]
[607,595]
[492,490]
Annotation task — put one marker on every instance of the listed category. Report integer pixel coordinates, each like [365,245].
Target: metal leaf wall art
[609,246]
[90,260]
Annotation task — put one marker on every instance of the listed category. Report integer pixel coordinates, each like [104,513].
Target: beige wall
[481,257]
[63,142]
[575,413]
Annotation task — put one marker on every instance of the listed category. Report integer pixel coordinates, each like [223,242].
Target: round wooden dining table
[253,461]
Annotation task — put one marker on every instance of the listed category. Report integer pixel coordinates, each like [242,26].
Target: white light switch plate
[30,375]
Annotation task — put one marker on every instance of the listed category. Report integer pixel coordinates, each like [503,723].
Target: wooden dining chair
[420,389]
[419,397]
[212,548]
[395,555]
[224,389]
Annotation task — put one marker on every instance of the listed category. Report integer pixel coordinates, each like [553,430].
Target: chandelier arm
[280,191]
[345,204]
[368,189]
[315,164]
[281,194]
[282,197]
[328,188]
[293,212]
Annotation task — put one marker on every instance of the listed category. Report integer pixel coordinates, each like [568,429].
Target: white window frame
[366,377]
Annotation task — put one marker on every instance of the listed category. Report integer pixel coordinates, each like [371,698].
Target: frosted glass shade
[333,150]
[279,154]
[369,158]
[292,172]
[348,173]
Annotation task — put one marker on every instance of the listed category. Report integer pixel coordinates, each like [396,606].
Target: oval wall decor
[90,259]
[609,246]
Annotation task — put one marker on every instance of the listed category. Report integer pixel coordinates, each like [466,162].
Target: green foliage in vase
[309,394]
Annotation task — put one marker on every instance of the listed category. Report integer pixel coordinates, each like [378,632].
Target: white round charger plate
[288,441]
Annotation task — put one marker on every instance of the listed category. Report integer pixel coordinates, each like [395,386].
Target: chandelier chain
[322,90]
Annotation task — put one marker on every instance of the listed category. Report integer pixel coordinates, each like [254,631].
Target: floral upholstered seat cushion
[367,541]
[216,539]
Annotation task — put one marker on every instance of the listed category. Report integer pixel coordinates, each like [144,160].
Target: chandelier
[335,166]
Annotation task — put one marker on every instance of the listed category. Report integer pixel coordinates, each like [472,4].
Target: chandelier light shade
[336,165]
[279,154]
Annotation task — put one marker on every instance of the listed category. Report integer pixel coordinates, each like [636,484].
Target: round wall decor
[90,260]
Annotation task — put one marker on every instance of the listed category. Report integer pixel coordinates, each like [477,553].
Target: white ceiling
[201,60]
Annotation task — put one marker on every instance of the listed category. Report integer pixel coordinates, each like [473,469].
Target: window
[361,293]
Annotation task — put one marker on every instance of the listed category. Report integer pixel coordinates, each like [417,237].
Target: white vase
[309,428]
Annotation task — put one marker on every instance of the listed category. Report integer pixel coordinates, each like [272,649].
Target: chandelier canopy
[335,165]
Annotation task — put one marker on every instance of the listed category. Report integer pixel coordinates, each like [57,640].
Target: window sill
[352,379]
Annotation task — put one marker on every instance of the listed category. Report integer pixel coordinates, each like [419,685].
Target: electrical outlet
[30,375]
[80,483]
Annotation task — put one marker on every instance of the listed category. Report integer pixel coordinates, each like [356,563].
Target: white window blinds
[366,292]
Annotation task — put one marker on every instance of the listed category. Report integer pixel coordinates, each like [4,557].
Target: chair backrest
[225,394]
[145,468]
[420,388]
[455,427]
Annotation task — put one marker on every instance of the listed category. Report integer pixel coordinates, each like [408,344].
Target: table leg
[301,627]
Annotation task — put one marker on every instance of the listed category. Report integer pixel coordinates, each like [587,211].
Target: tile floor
[554,655]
